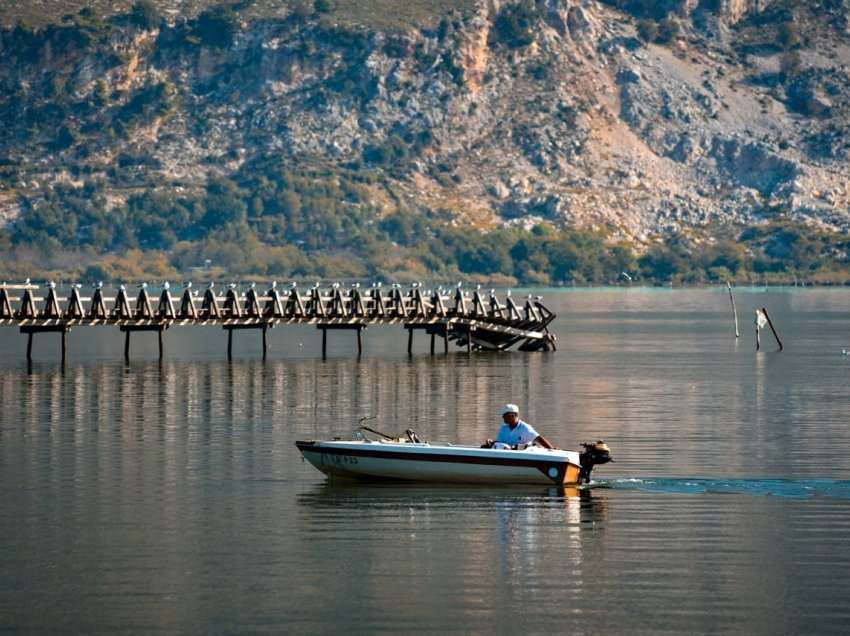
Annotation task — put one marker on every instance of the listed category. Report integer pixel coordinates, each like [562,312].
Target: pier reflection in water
[169,497]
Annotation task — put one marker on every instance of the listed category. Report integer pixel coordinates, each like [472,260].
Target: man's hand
[487,444]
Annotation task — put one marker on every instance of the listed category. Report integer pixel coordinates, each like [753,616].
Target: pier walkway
[468,319]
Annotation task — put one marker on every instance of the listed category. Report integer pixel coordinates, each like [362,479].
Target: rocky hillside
[302,125]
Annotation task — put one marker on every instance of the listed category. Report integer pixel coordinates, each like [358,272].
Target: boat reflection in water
[509,518]
[585,505]
[451,551]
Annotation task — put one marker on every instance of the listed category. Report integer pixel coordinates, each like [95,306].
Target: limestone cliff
[498,112]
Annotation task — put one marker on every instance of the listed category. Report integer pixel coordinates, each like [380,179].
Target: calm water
[170,498]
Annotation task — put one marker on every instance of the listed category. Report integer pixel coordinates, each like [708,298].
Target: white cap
[510,408]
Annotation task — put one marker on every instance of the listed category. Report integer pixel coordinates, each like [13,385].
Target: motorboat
[407,458]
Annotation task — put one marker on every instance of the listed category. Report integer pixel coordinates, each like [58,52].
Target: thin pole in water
[734,311]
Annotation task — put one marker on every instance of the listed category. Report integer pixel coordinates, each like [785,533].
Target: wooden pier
[468,319]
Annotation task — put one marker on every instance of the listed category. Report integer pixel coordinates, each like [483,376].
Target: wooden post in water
[265,341]
[772,328]
[762,319]
[229,345]
[433,340]
[324,343]
[469,338]
[409,340]
[359,341]
[446,338]
[29,347]
[127,346]
[734,311]
[159,337]
[64,345]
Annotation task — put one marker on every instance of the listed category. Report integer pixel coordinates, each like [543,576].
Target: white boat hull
[442,463]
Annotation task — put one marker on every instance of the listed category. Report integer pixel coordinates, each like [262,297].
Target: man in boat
[515,432]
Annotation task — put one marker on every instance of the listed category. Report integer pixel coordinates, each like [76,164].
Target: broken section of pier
[472,321]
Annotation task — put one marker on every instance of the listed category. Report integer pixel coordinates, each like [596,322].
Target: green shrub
[668,30]
[647,30]
[514,25]
[789,37]
[145,15]
[216,26]
[149,102]
[654,9]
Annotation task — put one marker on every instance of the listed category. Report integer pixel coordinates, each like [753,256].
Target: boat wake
[790,488]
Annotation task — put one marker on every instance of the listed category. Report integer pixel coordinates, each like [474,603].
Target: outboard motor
[594,453]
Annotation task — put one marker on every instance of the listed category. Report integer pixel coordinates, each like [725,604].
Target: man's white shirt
[523,433]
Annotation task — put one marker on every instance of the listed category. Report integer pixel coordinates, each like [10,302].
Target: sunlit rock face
[494,113]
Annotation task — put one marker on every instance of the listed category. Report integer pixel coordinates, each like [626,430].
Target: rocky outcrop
[571,118]
[731,11]
[474,50]
[734,10]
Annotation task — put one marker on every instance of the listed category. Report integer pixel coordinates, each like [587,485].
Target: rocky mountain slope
[632,119]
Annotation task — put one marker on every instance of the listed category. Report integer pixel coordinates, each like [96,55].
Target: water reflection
[509,523]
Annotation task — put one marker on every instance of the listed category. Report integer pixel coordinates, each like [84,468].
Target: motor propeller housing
[594,453]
